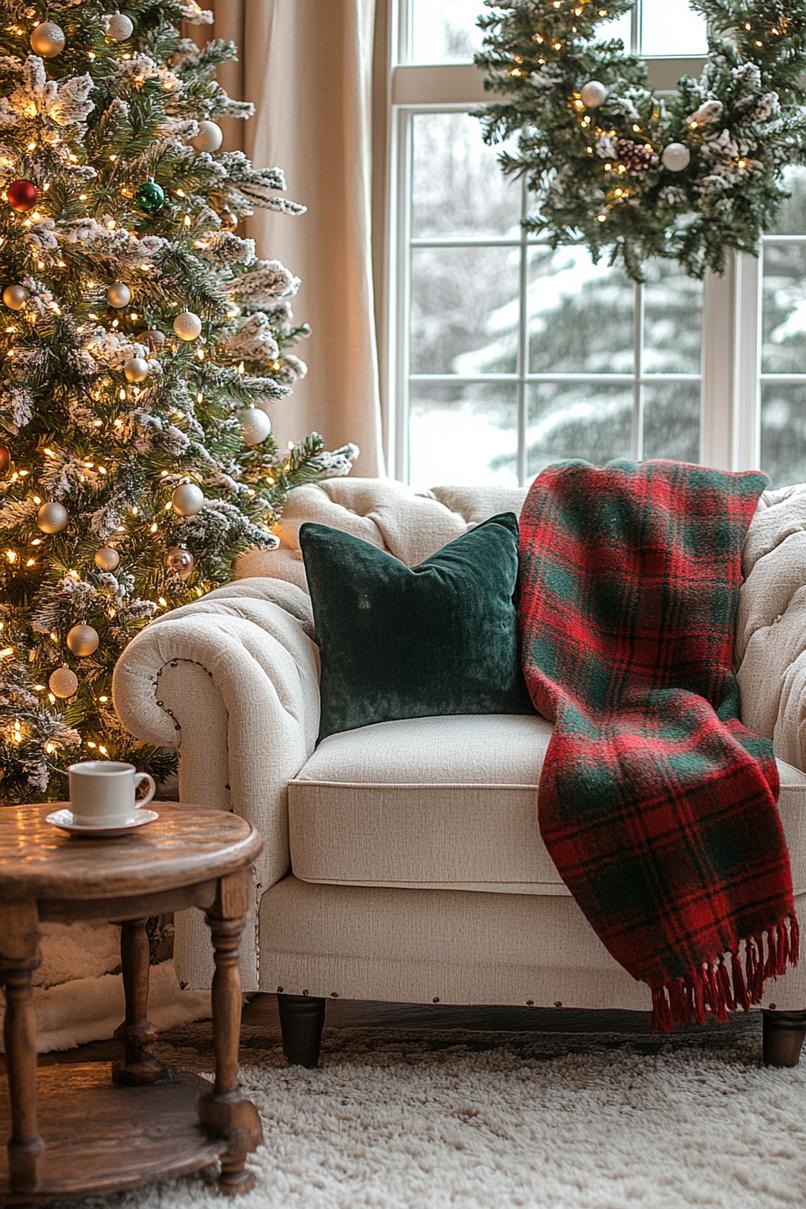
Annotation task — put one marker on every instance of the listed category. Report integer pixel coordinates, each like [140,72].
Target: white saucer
[65,821]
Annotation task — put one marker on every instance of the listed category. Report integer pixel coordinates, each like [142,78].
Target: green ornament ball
[150,197]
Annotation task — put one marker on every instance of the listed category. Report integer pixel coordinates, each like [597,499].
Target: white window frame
[730,362]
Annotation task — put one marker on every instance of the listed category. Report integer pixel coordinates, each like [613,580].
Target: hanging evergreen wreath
[623,170]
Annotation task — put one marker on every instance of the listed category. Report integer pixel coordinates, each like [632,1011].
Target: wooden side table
[80,1131]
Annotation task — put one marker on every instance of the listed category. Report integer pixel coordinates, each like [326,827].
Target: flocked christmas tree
[142,344]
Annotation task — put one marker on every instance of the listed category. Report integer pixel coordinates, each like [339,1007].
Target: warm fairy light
[153,527]
[11,555]
[162,601]
[31,562]
[37,541]
[50,748]
[102,750]
[103,699]
[6,652]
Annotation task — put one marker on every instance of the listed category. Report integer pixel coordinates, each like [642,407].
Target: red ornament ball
[22,195]
[5,458]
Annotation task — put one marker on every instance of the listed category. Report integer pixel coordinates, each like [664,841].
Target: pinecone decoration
[637,157]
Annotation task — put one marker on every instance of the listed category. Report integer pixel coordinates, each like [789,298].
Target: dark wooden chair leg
[302,1018]
[784,1033]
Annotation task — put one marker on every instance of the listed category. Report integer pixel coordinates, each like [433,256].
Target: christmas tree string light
[142,342]
[702,166]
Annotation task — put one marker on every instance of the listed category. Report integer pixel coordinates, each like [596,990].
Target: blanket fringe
[716,989]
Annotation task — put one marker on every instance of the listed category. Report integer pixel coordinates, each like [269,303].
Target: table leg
[225,1110]
[138,1065]
[19,957]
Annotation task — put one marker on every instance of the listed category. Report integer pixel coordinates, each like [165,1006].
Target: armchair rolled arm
[232,681]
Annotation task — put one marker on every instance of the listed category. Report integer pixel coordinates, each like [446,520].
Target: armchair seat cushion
[447,803]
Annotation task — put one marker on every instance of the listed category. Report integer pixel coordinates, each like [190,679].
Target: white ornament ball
[51,517]
[676,157]
[209,138]
[119,27]
[136,369]
[15,297]
[256,425]
[47,40]
[63,682]
[107,558]
[82,639]
[187,499]
[187,326]
[118,294]
[180,561]
[594,94]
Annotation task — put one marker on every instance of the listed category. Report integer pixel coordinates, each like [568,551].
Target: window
[505,355]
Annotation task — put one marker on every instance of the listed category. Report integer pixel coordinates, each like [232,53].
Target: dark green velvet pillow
[409,642]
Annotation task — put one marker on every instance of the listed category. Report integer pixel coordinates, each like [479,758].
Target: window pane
[577,420]
[671,28]
[792,218]
[464,310]
[783,433]
[617,27]
[672,421]
[783,312]
[444,31]
[580,314]
[457,187]
[463,434]
[672,321]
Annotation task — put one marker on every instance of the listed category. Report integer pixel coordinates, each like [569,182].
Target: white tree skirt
[77,998]
[405,1120]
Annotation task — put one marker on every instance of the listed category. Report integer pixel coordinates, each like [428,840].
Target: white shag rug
[403,1119]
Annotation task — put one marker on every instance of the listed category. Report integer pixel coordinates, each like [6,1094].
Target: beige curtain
[307,66]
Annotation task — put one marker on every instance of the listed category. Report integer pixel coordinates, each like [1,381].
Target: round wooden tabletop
[185,846]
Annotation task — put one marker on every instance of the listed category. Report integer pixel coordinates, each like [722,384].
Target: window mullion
[718,395]
[747,359]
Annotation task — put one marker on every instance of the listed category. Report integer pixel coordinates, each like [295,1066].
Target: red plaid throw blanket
[657,805]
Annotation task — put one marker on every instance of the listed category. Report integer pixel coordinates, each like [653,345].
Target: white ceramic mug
[103,792]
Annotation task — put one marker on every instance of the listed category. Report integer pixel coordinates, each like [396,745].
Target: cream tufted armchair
[403,861]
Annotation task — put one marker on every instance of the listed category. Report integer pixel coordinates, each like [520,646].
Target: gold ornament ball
[107,558]
[47,39]
[118,27]
[180,561]
[153,339]
[5,458]
[118,294]
[136,369]
[82,639]
[187,499]
[52,517]
[63,682]
[209,138]
[256,425]
[594,94]
[229,219]
[187,326]
[15,297]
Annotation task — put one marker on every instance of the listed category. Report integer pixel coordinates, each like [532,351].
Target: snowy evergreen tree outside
[143,344]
